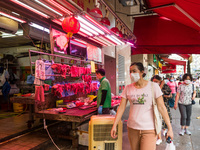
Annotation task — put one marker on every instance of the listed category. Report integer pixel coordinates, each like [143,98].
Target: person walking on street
[104,93]
[141,124]
[185,94]
[166,95]
[173,86]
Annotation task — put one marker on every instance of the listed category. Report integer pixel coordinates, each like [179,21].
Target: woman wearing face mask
[141,125]
[166,95]
[184,99]
[173,86]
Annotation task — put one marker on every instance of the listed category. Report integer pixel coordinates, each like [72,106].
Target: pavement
[185,142]
[39,139]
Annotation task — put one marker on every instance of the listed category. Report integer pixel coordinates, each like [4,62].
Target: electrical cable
[45,127]
[28,35]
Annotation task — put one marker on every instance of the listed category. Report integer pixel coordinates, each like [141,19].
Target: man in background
[104,93]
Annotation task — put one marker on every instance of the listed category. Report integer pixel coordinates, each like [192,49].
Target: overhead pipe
[157,7]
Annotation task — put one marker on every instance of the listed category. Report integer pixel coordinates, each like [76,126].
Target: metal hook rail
[65,57]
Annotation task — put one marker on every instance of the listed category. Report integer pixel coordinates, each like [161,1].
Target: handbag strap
[152,89]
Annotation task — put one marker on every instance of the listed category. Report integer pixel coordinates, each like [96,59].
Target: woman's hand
[175,106]
[113,132]
[170,134]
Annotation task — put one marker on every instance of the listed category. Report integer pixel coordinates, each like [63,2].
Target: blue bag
[30,79]
[171,102]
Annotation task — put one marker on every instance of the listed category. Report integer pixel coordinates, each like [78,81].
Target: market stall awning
[185,56]
[172,62]
[186,12]
[156,35]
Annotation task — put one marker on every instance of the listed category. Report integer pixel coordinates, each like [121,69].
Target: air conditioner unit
[8,25]
[34,33]
[99,133]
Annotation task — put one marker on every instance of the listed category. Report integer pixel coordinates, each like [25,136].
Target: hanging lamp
[105,19]
[96,12]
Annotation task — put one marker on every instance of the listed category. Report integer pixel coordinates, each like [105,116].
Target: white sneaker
[158,142]
[182,132]
[187,132]
[164,132]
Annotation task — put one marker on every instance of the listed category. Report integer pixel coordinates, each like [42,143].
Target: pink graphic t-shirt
[172,86]
[141,105]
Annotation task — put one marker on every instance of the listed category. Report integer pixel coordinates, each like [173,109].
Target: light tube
[7,35]
[107,40]
[30,8]
[109,37]
[86,32]
[117,39]
[12,17]
[98,41]
[15,13]
[89,29]
[39,27]
[78,44]
[80,41]
[89,24]
[57,21]
[129,43]
[48,7]
[81,33]
[101,40]
[93,21]
[60,7]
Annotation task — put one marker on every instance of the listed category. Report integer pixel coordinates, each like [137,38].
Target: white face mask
[187,82]
[135,77]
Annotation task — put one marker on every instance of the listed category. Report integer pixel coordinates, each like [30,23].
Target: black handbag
[193,102]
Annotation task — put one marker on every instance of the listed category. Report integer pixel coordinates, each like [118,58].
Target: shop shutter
[121,68]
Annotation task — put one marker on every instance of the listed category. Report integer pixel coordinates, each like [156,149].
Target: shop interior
[48,73]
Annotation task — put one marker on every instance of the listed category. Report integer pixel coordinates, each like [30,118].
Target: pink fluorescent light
[12,17]
[86,32]
[93,21]
[87,23]
[80,41]
[48,7]
[165,18]
[83,34]
[60,7]
[57,21]
[112,39]
[108,40]
[78,44]
[30,8]
[97,41]
[104,41]
[89,29]
[129,43]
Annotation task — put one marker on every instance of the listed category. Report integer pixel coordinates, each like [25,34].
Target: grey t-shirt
[185,94]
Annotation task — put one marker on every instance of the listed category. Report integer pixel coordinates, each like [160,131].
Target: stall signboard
[60,41]
[94,53]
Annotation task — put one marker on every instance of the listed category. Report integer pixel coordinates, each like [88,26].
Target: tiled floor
[17,124]
[29,141]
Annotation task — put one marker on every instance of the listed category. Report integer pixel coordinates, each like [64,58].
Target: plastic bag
[170,146]
[30,79]
[2,79]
